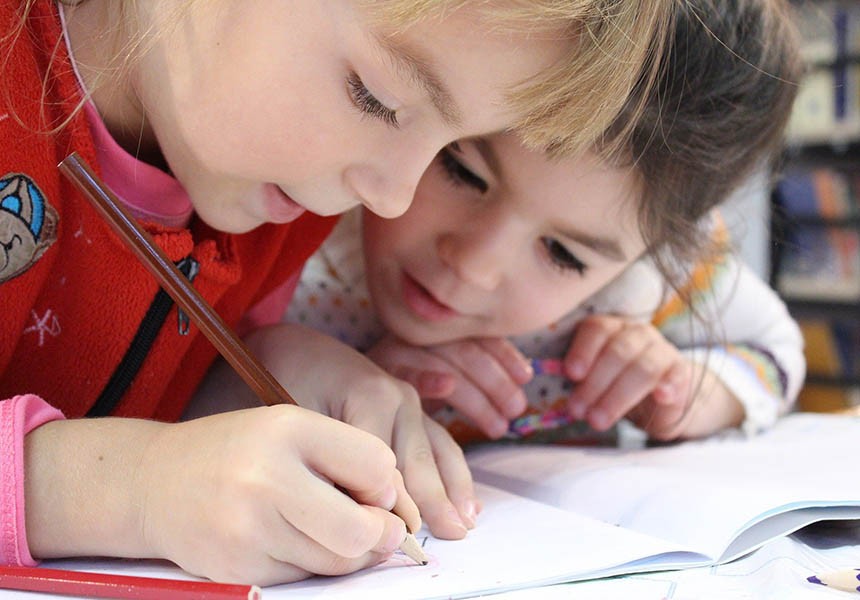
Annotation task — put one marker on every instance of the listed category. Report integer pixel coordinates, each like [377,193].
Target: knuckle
[335,565]
[422,454]
[622,347]
[382,390]
[360,541]
[648,367]
[384,463]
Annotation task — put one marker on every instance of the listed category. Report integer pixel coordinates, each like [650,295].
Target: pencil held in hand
[411,548]
[225,340]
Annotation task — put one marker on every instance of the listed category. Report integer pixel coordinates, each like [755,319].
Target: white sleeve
[745,335]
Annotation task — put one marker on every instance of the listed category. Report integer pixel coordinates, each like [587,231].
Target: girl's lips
[280,208]
[422,303]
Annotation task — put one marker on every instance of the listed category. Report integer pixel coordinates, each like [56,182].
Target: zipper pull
[190,268]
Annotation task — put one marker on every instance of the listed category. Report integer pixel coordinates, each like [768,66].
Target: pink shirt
[18,417]
[153,195]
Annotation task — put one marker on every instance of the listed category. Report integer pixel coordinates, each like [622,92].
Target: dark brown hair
[716,115]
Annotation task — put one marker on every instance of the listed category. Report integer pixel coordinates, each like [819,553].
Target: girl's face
[500,241]
[265,109]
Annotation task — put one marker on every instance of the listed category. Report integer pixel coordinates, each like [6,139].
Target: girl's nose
[387,187]
[478,257]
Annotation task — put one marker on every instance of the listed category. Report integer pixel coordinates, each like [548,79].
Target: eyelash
[367,102]
[561,257]
[459,174]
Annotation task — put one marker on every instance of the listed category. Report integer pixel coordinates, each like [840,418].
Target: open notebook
[555,514]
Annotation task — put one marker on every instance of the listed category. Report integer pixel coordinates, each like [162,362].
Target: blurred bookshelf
[815,225]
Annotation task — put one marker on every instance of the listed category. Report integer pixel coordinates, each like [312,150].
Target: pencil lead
[411,548]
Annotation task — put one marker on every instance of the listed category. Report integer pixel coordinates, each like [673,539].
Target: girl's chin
[425,335]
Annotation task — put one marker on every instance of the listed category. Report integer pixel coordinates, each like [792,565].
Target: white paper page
[789,522]
[699,495]
[778,570]
[519,543]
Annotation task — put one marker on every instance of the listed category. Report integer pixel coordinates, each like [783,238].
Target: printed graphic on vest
[28,224]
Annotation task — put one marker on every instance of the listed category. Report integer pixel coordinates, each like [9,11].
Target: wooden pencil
[225,340]
[847,580]
[102,585]
[231,347]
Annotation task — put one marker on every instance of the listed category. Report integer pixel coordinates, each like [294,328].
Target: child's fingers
[490,377]
[417,459]
[365,466]
[671,406]
[373,403]
[674,387]
[517,366]
[616,356]
[292,554]
[455,473]
[433,385]
[473,404]
[341,524]
[632,386]
[405,507]
[589,339]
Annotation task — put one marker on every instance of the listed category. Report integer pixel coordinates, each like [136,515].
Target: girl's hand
[244,496]
[481,378]
[250,496]
[332,378]
[627,368]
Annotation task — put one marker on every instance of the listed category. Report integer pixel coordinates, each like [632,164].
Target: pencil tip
[411,548]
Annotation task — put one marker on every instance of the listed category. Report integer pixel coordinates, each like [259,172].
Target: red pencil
[101,585]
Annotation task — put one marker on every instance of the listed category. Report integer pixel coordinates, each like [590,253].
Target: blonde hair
[615,47]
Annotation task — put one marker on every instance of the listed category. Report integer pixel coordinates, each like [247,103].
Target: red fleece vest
[72,297]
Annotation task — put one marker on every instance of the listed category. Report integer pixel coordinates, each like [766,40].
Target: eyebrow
[608,247]
[605,246]
[420,70]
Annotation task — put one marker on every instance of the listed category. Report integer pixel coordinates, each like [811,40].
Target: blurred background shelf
[815,212]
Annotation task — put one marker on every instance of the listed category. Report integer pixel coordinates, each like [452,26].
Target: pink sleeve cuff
[18,417]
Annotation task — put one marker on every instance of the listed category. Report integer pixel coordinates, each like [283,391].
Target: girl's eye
[459,174]
[367,102]
[562,257]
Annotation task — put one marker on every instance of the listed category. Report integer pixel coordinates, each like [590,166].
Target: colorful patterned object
[528,424]
[553,415]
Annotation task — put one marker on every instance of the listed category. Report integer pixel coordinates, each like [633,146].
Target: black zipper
[141,344]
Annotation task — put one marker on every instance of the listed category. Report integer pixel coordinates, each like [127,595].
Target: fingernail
[454,518]
[498,429]
[575,369]
[577,409]
[665,391]
[388,499]
[598,419]
[436,382]
[517,405]
[469,513]
[395,538]
[524,369]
